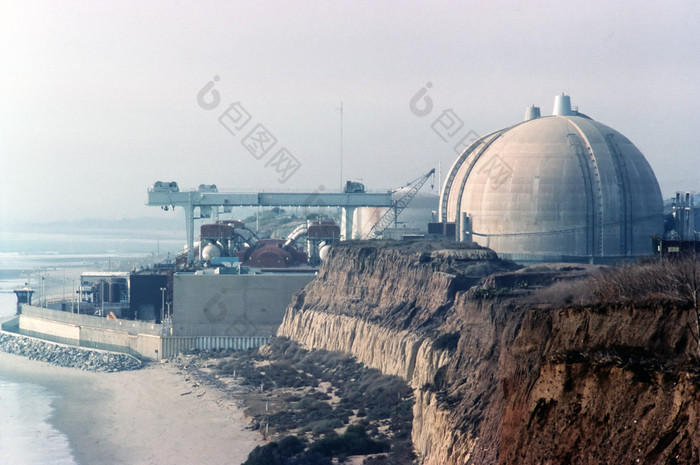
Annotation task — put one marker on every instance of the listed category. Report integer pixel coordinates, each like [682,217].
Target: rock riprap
[67,356]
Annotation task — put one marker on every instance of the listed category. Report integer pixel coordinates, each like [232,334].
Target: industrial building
[555,188]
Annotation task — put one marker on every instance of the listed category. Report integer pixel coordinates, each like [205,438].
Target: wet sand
[147,416]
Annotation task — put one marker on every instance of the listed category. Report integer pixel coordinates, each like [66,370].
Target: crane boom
[398,206]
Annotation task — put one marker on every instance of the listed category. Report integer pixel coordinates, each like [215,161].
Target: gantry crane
[398,206]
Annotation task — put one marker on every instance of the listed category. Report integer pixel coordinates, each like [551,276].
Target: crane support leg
[349,212]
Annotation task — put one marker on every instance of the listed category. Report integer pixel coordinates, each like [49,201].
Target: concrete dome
[562,187]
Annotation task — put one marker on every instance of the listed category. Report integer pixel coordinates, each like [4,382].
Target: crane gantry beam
[209,200]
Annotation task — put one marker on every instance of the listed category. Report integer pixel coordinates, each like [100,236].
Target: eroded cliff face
[524,384]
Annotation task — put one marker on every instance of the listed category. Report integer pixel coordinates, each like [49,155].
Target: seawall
[144,340]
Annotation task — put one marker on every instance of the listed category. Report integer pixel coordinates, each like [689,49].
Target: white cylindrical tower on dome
[532,112]
[562,105]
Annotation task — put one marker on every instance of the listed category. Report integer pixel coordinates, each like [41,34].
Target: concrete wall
[60,331]
[124,336]
[232,305]
[129,337]
[130,326]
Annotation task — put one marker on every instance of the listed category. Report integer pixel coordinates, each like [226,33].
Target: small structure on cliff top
[556,188]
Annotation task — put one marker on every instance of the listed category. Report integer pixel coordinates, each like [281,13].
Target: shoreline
[153,415]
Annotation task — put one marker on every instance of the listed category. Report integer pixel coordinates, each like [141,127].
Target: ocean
[51,263]
[26,435]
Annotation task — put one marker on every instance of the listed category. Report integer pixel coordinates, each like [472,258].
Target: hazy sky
[100,99]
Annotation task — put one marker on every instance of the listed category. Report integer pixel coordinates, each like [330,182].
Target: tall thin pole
[162,307]
[341,146]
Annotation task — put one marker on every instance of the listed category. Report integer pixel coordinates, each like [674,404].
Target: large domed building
[556,188]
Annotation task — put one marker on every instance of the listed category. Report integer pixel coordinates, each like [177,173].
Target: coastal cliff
[500,374]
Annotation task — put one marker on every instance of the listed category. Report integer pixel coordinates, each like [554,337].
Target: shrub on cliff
[288,451]
[676,280]
[672,280]
[353,442]
[348,387]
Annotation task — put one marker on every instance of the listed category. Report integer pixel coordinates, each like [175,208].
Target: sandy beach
[148,416]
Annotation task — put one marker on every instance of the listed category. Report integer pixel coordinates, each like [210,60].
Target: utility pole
[162,308]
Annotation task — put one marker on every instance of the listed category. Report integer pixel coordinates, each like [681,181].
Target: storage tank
[210,251]
[117,290]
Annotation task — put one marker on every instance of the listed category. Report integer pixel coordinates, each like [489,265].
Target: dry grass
[676,281]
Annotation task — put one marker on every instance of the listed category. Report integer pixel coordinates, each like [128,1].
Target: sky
[98,100]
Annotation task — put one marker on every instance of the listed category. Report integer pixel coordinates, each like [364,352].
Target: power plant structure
[555,188]
[559,188]
[680,236]
[209,202]
[232,239]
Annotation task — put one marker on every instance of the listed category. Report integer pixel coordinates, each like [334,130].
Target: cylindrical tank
[210,251]
[323,252]
[364,219]
[117,288]
[102,288]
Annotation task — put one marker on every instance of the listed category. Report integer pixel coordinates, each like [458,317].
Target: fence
[173,345]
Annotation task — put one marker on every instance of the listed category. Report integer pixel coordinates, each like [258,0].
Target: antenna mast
[341,146]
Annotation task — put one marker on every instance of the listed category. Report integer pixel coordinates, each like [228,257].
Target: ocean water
[26,436]
[51,263]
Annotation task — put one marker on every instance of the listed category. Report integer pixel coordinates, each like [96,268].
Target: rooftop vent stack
[562,105]
[689,233]
[532,112]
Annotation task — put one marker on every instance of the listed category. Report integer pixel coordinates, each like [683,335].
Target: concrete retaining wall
[60,332]
[143,345]
[90,331]
[97,333]
[131,326]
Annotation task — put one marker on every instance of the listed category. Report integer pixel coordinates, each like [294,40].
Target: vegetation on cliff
[548,363]
[317,405]
[489,362]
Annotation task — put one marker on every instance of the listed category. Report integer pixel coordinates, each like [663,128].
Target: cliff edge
[511,365]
